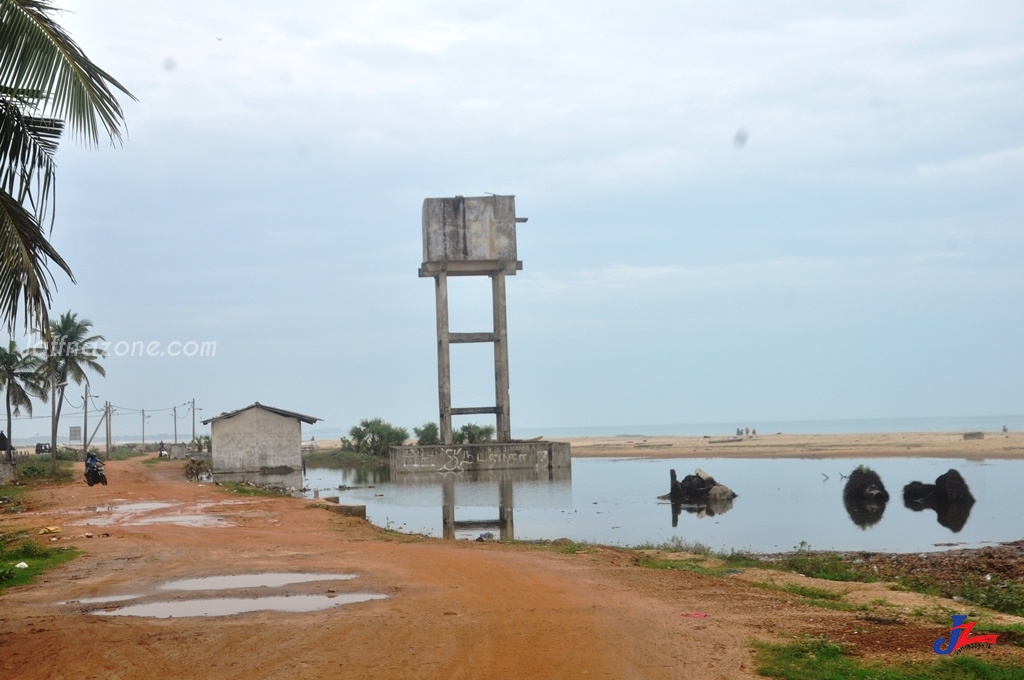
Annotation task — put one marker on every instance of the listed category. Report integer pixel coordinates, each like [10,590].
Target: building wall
[256,440]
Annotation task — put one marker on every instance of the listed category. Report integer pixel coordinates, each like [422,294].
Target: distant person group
[746,432]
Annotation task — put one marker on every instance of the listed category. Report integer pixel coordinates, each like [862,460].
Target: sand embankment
[887,445]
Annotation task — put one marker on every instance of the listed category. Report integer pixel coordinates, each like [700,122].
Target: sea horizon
[1015,423]
[822,426]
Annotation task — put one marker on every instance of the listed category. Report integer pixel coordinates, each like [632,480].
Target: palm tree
[70,351]
[376,436]
[46,81]
[19,376]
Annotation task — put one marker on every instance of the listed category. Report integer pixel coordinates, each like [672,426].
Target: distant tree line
[376,436]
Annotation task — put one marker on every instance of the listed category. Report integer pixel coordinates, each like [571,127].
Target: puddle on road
[229,606]
[182,520]
[145,513]
[268,580]
[100,600]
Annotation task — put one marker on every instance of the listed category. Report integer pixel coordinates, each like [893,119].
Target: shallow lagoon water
[781,503]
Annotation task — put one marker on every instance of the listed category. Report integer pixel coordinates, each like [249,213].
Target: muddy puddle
[268,580]
[274,594]
[154,512]
[228,606]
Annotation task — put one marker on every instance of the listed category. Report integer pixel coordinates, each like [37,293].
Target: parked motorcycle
[94,474]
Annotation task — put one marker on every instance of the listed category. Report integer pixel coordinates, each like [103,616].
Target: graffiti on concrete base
[458,459]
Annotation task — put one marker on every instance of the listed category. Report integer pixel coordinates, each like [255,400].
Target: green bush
[471,433]
[376,437]
[40,469]
[427,435]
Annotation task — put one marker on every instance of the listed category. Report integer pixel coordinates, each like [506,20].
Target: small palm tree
[46,82]
[427,435]
[471,433]
[376,436]
[19,376]
[71,350]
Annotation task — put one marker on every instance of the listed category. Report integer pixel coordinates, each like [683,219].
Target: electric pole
[193,420]
[174,414]
[85,422]
[143,429]
[107,410]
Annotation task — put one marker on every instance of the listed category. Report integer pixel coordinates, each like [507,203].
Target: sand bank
[887,445]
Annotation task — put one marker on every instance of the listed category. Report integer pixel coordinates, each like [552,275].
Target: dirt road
[453,610]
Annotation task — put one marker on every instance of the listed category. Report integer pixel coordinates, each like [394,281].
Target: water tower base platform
[523,455]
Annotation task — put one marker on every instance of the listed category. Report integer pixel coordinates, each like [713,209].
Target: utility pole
[174,414]
[85,422]
[193,420]
[143,429]
[107,410]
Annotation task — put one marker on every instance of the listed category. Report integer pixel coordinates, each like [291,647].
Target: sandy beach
[993,445]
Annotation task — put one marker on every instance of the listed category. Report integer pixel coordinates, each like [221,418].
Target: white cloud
[996,165]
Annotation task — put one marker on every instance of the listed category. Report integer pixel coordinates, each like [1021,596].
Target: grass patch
[157,460]
[38,468]
[16,548]
[122,453]
[824,565]
[248,490]
[813,593]
[676,545]
[328,458]
[13,499]
[815,597]
[705,565]
[569,547]
[814,658]
[1003,596]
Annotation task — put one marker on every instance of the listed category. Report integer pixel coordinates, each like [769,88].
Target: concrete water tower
[471,236]
[475,236]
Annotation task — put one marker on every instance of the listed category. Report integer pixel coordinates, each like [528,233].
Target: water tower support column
[501,397]
[444,364]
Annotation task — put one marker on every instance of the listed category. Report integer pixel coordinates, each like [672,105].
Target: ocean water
[845,426]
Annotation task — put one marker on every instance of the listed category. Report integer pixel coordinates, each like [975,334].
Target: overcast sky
[737,211]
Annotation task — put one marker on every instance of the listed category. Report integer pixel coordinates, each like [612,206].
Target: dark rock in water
[696,488]
[864,513]
[950,487]
[864,497]
[699,494]
[916,491]
[949,497]
[865,484]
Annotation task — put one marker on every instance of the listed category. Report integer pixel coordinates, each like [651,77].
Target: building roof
[309,420]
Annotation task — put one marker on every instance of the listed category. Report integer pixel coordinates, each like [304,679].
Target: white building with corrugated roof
[257,439]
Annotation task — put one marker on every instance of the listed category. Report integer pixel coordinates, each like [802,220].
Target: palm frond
[37,55]
[24,257]
[27,147]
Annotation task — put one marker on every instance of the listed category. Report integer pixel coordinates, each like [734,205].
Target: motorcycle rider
[91,460]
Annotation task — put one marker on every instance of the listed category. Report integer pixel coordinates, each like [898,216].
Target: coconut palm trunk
[19,376]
